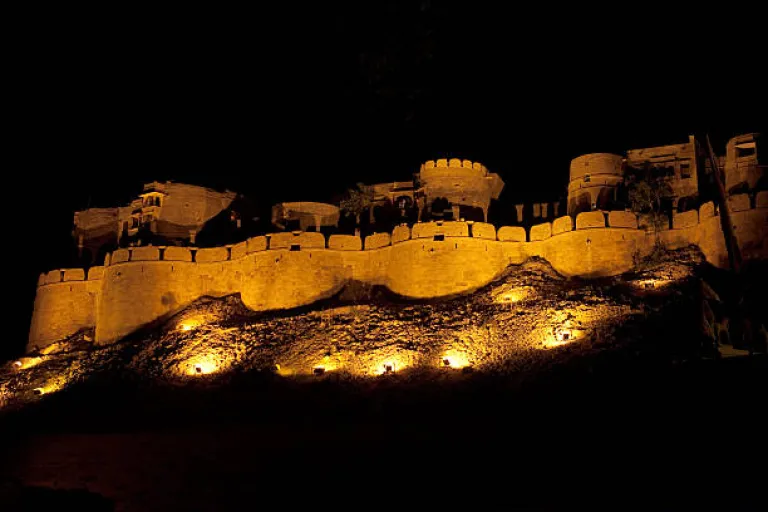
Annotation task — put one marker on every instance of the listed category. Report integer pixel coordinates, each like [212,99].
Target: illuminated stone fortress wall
[137,286]
[140,285]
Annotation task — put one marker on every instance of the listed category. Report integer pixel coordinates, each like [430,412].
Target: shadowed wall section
[64,307]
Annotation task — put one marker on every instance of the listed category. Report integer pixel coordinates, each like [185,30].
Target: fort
[140,281]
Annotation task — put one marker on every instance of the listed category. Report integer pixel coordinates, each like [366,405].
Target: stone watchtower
[594,182]
[305,214]
[461,182]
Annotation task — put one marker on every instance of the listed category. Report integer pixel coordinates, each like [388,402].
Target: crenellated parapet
[436,230]
[475,168]
[69,275]
[140,285]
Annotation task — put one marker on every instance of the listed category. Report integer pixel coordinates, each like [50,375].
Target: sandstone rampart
[138,286]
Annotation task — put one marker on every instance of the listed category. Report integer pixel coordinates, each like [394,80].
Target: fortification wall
[287,279]
[590,252]
[66,302]
[377,241]
[143,285]
[751,231]
[426,268]
[541,232]
[345,243]
[483,230]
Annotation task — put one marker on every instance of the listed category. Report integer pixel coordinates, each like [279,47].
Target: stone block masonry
[400,234]
[483,230]
[739,203]
[511,234]
[541,232]
[377,241]
[256,244]
[177,254]
[562,225]
[135,289]
[588,220]
[345,243]
[431,229]
[707,210]
[622,220]
[685,220]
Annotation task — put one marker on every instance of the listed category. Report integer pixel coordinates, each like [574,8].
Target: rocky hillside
[528,320]
[535,390]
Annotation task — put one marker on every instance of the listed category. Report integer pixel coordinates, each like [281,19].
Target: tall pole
[734,255]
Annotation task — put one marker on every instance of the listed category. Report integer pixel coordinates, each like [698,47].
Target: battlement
[454,163]
[435,231]
[140,285]
[69,275]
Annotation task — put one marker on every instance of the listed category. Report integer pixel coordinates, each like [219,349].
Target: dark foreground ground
[675,437]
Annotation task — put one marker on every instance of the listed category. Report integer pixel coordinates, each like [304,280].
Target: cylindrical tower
[742,172]
[460,182]
[594,181]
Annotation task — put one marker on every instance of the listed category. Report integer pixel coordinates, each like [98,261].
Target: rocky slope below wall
[528,320]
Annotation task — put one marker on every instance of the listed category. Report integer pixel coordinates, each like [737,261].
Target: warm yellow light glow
[454,359]
[202,365]
[511,295]
[52,386]
[390,364]
[53,347]
[327,364]
[562,336]
[284,371]
[651,284]
[187,326]
[27,362]
[193,322]
[388,367]
[205,361]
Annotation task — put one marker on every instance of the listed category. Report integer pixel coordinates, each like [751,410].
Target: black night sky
[297,103]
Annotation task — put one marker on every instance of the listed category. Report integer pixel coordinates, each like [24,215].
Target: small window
[295,247]
[439,238]
[745,152]
[685,170]
[587,178]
